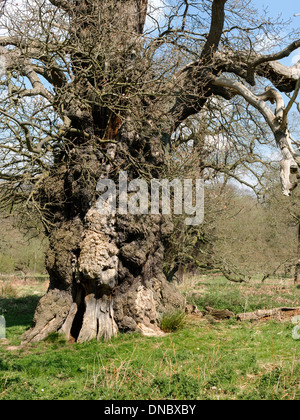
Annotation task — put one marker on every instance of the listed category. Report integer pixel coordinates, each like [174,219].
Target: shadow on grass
[18,311]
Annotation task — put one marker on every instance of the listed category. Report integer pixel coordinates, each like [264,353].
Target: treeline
[21,246]
[243,236]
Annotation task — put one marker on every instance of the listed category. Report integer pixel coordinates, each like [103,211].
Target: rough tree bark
[105,269]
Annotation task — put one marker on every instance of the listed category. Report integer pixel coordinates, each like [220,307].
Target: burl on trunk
[105,275]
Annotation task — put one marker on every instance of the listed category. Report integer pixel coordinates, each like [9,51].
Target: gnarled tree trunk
[105,269]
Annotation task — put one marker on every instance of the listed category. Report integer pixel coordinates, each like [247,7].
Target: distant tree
[22,248]
[255,239]
[243,236]
[88,91]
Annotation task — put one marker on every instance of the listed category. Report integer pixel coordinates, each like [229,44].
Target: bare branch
[62,4]
[279,55]
[290,104]
[215,31]
[142,10]
[282,135]
[283,78]
[38,87]
[254,100]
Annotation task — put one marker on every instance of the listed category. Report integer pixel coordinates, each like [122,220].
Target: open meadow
[202,359]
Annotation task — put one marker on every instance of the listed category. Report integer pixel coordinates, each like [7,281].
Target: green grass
[173,321]
[223,360]
[219,293]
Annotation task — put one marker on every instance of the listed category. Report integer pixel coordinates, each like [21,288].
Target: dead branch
[269,314]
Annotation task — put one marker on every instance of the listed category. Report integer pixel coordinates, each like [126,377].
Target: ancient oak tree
[93,87]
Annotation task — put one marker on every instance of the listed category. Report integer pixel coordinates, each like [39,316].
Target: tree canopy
[199,51]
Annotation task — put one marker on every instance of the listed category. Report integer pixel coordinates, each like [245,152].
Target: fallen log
[219,313]
[279,314]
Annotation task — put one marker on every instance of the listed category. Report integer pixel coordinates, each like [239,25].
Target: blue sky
[287,9]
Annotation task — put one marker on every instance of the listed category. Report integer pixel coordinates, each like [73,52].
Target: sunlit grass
[202,360]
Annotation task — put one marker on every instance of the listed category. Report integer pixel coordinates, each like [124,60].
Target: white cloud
[266,43]
[155,8]
[155,14]
[296,57]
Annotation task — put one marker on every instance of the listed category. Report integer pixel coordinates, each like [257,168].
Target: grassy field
[206,359]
